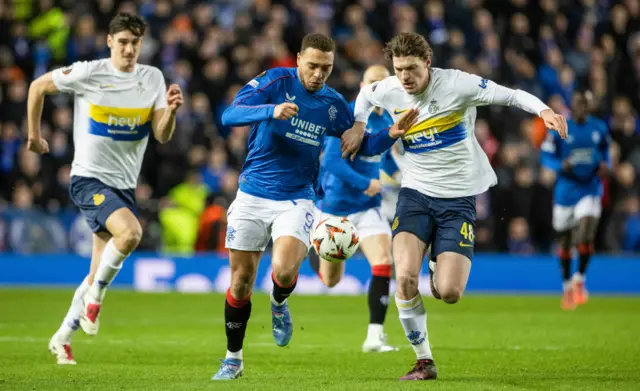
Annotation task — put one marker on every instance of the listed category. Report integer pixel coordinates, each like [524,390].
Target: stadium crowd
[211,48]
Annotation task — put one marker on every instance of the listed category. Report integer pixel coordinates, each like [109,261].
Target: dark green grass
[174,342]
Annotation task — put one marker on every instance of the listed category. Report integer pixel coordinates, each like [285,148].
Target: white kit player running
[444,168]
[117,104]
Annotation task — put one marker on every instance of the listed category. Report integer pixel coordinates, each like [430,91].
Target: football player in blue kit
[580,161]
[352,189]
[291,110]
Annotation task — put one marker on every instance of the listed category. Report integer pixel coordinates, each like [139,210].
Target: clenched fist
[39,145]
[284,111]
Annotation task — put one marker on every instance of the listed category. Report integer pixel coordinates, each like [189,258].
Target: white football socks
[71,321]
[110,265]
[236,355]
[375,331]
[413,317]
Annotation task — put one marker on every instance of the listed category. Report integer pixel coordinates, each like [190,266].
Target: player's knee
[407,285]
[331,280]
[130,238]
[241,282]
[450,294]
[285,277]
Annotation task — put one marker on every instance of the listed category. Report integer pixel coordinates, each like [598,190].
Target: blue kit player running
[352,189]
[580,162]
[292,110]
[443,169]
[118,103]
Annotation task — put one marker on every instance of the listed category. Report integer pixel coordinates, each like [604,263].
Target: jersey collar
[124,74]
[427,90]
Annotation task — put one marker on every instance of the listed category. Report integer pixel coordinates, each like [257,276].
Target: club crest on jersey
[595,136]
[332,113]
[433,107]
[140,88]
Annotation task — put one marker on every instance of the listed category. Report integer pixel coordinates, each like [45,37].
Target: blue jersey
[586,147]
[343,180]
[283,158]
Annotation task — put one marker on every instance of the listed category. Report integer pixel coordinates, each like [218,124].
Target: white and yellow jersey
[442,156]
[113,111]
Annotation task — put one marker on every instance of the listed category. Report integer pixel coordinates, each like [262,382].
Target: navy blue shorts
[98,201]
[445,223]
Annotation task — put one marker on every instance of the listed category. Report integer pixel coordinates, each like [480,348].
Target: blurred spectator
[212,229]
[215,169]
[212,49]
[519,240]
[181,216]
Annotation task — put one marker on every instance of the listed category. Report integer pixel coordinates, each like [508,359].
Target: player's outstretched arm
[253,103]
[35,101]
[164,118]
[479,92]
[382,141]
[333,162]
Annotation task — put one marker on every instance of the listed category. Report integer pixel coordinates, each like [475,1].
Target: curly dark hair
[408,44]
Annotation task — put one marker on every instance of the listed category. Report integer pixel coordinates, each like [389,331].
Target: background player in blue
[291,110]
[579,161]
[352,189]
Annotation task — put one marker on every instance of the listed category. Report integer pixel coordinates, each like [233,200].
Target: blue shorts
[445,223]
[98,201]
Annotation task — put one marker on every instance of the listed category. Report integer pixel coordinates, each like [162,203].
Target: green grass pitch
[174,342]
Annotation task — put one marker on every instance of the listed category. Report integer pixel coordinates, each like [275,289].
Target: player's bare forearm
[166,126]
[35,101]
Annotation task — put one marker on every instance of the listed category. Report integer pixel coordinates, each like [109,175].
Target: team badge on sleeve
[67,71]
[255,83]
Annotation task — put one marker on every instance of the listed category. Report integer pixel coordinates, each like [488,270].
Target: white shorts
[368,223]
[252,221]
[566,217]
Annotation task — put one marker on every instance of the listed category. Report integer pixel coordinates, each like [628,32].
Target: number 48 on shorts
[467,233]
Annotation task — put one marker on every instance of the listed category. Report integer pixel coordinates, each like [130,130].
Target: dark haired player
[118,103]
[291,110]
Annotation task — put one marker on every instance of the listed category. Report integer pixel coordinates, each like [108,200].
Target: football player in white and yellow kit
[117,104]
[444,168]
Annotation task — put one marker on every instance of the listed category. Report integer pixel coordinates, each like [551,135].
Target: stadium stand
[211,48]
